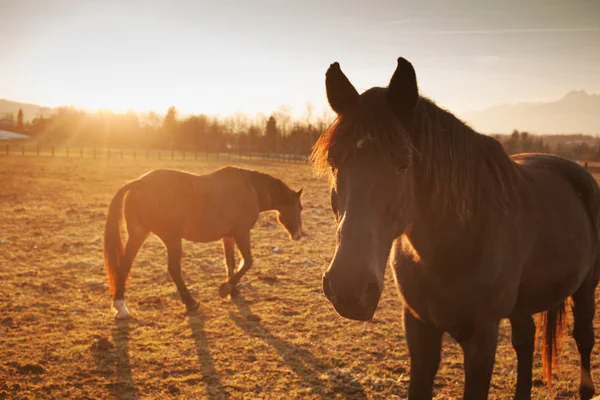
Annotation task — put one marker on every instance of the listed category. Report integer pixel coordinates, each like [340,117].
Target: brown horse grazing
[177,205]
[473,236]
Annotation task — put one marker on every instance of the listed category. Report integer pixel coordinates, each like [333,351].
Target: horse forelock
[370,124]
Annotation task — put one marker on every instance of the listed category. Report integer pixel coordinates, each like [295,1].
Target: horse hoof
[122,314]
[587,392]
[224,289]
[192,307]
[122,310]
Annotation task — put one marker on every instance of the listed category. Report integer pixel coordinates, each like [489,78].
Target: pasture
[279,339]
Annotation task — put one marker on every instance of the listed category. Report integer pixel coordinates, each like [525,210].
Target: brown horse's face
[289,216]
[371,195]
[371,208]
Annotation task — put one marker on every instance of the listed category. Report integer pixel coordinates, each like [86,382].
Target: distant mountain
[30,111]
[577,112]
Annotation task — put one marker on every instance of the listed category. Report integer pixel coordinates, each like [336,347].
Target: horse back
[580,180]
[561,208]
[199,208]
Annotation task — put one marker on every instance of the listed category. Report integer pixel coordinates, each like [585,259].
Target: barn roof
[7,135]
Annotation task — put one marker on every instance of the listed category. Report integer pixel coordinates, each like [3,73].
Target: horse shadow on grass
[304,364]
[214,387]
[112,360]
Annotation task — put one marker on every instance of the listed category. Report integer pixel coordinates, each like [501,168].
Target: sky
[251,56]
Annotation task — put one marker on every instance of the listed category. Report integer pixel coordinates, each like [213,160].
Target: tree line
[276,133]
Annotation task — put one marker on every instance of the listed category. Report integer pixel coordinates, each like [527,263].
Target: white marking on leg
[122,310]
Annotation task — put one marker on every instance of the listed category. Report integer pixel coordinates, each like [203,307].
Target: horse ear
[403,91]
[299,192]
[340,93]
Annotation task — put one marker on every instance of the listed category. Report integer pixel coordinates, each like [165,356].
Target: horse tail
[113,244]
[552,326]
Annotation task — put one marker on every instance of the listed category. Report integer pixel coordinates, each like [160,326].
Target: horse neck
[266,189]
[459,171]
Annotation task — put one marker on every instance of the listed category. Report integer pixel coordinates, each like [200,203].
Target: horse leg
[424,347]
[243,243]
[583,332]
[134,243]
[229,250]
[174,254]
[480,354]
[523,341]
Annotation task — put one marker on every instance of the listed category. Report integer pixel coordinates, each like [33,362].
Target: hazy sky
[255,55]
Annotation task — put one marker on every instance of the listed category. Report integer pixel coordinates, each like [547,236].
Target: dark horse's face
[368,151]
[289,215]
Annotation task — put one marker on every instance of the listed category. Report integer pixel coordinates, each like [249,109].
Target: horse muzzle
[358,305]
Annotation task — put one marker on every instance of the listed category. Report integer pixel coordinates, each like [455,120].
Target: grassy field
[280,339]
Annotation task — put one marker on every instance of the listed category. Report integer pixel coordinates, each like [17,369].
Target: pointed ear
[299,192]
[342,96]
[403,92]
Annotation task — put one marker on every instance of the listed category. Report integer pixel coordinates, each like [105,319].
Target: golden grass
[280,339]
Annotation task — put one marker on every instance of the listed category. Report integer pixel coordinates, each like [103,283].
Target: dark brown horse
[177,205]
[473,236]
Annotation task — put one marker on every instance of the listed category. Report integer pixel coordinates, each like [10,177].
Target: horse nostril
[327,288]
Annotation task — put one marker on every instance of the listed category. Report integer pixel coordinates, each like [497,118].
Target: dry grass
[280,339]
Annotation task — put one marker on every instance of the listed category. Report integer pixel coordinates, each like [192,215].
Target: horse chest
[452,305]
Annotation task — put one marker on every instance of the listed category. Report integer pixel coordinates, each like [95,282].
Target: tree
[271,133]
[170,126]
[525,142]
[20,126]
[193,131]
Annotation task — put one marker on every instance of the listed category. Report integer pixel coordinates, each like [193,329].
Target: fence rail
[156,154]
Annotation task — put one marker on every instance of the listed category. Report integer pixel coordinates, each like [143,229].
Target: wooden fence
[156,154]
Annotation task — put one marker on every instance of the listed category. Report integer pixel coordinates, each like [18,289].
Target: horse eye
[331,163]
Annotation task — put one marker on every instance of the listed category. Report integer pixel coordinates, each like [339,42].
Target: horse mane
[272,192]
[459,169]
[462,168]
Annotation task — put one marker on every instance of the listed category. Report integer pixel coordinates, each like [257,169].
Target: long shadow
[124,388]
[112,362]
[214,388]
[302,361]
